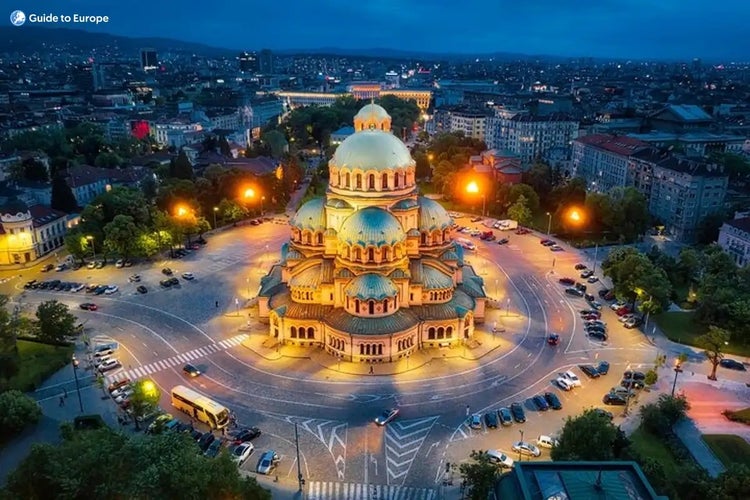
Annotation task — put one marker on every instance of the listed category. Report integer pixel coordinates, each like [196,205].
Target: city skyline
[608,29]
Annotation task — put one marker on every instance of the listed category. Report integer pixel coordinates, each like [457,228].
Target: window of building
[294,332]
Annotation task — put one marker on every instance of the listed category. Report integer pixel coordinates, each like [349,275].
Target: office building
[149,60]
[530,136]
[265,62]
[248,62]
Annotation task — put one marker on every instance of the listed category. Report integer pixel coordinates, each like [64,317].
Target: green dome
[432,215]
[372,111]
[371,226]
[311,215]
[435,280]
[370,286]
[337,203]
[372,150]
[14,206]
[405,204]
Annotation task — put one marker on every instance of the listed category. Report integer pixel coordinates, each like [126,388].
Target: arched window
[423,238]
[308,238]
[431,333]
[357,253]
[370,254]
[380,349]
[385,306]
[361,349]
[371,306]
[347,180]
[395,180]
[356,306]
[386,254]
[371,182]
[449,332]
[311,333]
[319,238]
[294,332]
[339,178]
[441,333]
[358,180]
[384,182]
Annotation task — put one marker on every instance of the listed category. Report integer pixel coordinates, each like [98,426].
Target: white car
[119,263]
[526,449]
[572,378]
[111,289]
[546,442]
[386,416]
[564,384]
[188,276]
[109,364]
[122,390]
[626,317]
[617,305]
[124,395]
[78,287]
[242,452]
[500,459]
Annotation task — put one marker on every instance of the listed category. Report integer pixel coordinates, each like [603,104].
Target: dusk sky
[644,29]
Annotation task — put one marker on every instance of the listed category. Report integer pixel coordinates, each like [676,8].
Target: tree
[276,141]
[520,212]
[17,410]
[224,148]
[231,211]
[180,167]
[54,321]
[531,199]
[589,436]
[713,342]
[145,396]
[105,464]
[34,170]
[423,167]
[707,231]
[733,484]
[76,244]
[108,159]
[651,377]
[479,475]
[63,198]
[121,235]
[632,272]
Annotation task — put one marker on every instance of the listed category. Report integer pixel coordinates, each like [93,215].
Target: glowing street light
[90,239]
[216,209]
[549,224]
[181,211]
[249,193]
[149,388]
[473,188]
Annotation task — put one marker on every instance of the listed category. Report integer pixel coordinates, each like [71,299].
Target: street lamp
[216,209]
[78,387]
[262,199]
[520,457]
[507,307]
[677,370]
[473,188]
[90,239]
[549,223]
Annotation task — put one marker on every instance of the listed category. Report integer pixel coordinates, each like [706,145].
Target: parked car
[553,339]
[242,452]
[603,367]
[165,283]
[574,291]
[546,441]
[108,365]
[634,375]
[587,273]
[167,271]
[589,370]
[597,334]
[491,420]
[592,279]
[505,416]
[386,416]
[475,422]
[572,378]
[141,289]
[567,281]
[91,265]
[117,384]
[111,289]
[553,401]
[158,424]
[580,266]
[120,263]
[525,448]
[500,459]
[563,384]
[89,306]
[556,248]
[213,449]
[47,268]
[100,264]
[614,399]
[205,441]
[503,241]
[245,434]
[604,413]
[732,364]
[540,403]
[135,278]
[519,415]
[188,276]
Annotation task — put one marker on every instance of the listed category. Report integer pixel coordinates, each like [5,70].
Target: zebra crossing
[178,359]
[334,490]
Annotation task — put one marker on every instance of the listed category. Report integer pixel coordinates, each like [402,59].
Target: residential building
[680,118]
[471,123]
[87,182]
[421,97]
[176,132]
[533,480]
[229,119]
[734,239]
[265,62]
[501,166]
[28,233]
[698,143]
[338,136]
[530,136]
[602,160]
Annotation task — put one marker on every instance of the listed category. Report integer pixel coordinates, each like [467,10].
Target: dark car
[505,416]
[167,271]
[587,273]
[603,367]
[47,268]
[244,435]
[142,289]
[634,375]
[173,281]
[581,287]
[574,291]
[580,266]
[519,415]
[604,413]
[191,371]
[553,339]
[732,364]
[567,281]
[553,400]
[597,334]
[540,402]
[590,298]
[502,241]
[166,283]
[205,441]
[614,399]
[490,419]
[589,370]
[629,383]
[213,449]
[88,306]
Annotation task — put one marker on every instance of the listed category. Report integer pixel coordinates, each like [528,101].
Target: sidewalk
[692,438]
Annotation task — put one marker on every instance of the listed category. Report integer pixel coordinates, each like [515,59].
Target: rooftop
[618,144]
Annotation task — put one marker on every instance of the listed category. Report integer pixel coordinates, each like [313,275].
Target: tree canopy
[54,321]
[589,436]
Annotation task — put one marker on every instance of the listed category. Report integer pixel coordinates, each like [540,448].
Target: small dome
[432,215]
[337,203]
[435,280]
[372,150]
[370,286]
[405,204]
[311,215]
[372,111]
[371,226]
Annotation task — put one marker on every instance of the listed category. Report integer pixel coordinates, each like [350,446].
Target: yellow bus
[200,407]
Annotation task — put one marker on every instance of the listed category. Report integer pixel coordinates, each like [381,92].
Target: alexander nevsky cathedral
[370,272]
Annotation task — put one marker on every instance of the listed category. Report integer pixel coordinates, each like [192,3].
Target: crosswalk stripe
[174,361]
[224,344]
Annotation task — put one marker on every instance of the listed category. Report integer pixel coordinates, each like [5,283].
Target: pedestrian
[66,393]
[217,304]
[371,370]
[62,400]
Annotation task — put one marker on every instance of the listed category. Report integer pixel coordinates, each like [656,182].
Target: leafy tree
[224,148]
[76,244]
[520,212]
[632,271]
[707,231]
[530,198]
[479,475]
[63,198]
[276,141]
[145,396]
[108,159]
[180,167]
[423,167]
[732,484]
[231,211]
[572,192]
[54,321]
[164,466]
[540,178]
[713,342]
[651,377]
[34,170]
[149,188]
[8,349]
[589,436]
[121,234]
[16,412]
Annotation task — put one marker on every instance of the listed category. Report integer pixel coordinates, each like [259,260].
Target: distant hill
[30,39]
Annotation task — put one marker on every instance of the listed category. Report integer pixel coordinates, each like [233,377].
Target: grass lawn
[729,449]
[680,327]
[739,416]
[648,445]
[37,362]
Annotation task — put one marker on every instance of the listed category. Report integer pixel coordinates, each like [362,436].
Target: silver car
[267,462]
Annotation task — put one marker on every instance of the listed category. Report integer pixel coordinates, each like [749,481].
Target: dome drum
[372,180]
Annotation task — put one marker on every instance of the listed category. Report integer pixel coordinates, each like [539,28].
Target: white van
[546,442]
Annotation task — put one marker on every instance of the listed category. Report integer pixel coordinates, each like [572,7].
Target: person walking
[217,304]
[62,400]
[371,370]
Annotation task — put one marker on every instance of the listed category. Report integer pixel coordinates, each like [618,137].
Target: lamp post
[520,457]
[78,387]
[596,256]
[216,209]
[677,370]
[473,187]
[90,239]
[549,223]
[262,199]
[507,307]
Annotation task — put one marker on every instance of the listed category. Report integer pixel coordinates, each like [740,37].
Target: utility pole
[299,466]
[596,254]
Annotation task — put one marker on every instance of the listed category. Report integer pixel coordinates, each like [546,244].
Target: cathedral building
[370,272]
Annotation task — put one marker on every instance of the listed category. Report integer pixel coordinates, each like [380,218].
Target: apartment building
[530,136]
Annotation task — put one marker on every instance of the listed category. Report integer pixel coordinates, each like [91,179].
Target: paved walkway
[692,438]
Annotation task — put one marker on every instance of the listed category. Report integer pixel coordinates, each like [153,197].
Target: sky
[638,29]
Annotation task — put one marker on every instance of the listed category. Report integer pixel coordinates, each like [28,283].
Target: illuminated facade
[27,234]
[371,272]
[364,92]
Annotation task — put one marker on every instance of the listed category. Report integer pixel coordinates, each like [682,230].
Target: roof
[44,215]
[14,206]
[457,307]
[618,144]
[401,320]
[371,226]
[432,215]
[269,282]
[347,131]
[372,111]
[337,203]
[742,224]
[311,215]
[435,280]
[84,175]
[256,166]
[372,150]
[685,113]
[309,278]
[405,204]
[370,286]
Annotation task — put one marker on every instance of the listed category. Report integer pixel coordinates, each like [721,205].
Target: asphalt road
[161,330]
